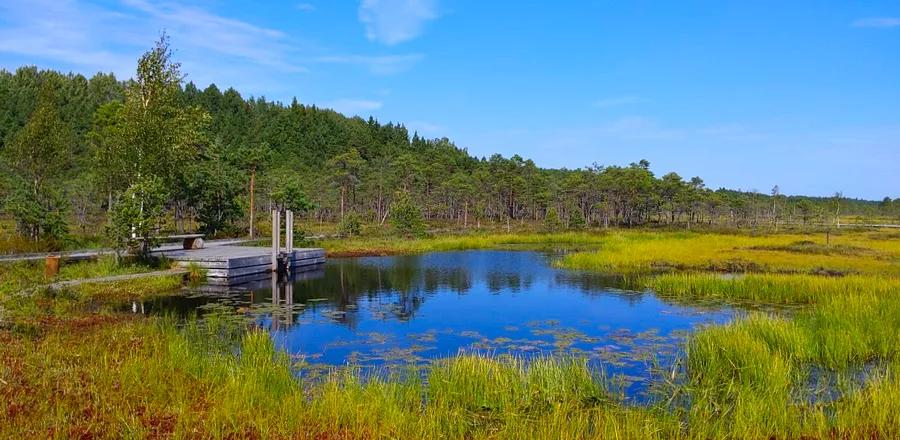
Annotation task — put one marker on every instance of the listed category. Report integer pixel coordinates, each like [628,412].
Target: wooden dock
[231,264]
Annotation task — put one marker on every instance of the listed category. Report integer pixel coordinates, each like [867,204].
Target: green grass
[749,379]
[139,379]
[146,378]
[395,245]
[769,288]
[68,373]
[643,252]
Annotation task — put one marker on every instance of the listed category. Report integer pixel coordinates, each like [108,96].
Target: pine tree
[406,217]
[38,156]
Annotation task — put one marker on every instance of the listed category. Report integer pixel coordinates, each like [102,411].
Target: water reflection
[410,309]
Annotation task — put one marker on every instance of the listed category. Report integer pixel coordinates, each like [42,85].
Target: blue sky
[803,94]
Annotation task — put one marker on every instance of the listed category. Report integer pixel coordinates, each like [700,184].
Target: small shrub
[406,217]
[576,219]
[551,221]
[350,225]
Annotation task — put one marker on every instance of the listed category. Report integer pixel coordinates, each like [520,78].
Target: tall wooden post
[276,232]
[252,182]
[289,230]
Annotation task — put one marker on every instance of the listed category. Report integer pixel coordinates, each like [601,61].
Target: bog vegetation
[71,365]
[100,157]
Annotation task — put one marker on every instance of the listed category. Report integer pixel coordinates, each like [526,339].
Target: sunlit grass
[144,378]
[636,252]
[65,373]
[394,245]
[750,378]
[769,288]
[140,378]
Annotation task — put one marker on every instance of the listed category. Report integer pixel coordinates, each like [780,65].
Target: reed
[769,288]
[65,373]
[642,253]
[152,378]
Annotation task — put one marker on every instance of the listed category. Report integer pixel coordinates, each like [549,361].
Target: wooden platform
[230,264]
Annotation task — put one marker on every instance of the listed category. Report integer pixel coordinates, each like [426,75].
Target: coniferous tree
[38,156]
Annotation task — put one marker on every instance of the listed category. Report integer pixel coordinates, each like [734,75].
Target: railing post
[276,232]
[289,233]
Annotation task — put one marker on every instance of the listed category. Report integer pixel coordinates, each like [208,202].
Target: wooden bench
[188,241]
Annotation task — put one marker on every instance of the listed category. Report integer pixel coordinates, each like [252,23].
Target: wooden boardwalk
[90,254]
[229,264]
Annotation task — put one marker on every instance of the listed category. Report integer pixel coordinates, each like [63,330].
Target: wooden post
[276,232]
[289,231]
[51,266]
[252,182]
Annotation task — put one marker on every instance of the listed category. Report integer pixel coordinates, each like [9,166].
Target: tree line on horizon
[79,152]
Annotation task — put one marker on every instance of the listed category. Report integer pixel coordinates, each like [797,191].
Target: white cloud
[86,37]
[62,31]
[213,33]
[381,65]
[617,101]
[395,21]
[361,107]
[305,7]
[877,22]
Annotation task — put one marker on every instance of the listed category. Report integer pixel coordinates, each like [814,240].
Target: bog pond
[410,310]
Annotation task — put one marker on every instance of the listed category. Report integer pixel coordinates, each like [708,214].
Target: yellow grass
[630,252]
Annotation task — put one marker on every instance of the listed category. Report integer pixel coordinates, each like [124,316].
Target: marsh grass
[751,378]
[641,252]
[811,247]
[150,378]
[645,252]
[102,374]
[27,304]
[393,245]
[217,379]
[768,288]
[19,276]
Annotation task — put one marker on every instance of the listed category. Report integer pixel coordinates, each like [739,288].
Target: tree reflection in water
[410,309]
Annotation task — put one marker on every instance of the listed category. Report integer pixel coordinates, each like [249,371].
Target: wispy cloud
[381,65]
[201,29]
[305,7]
[87,36]
[395,21]
[361,107]
[877,22]
[62,31]
[82,34]
[617,101]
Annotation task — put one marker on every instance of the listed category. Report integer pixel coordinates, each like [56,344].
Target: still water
[403,310]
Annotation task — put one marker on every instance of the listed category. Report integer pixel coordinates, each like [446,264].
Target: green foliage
[350,225]
[153,134]
[213,189]
[156,126]
[136,216]
[40,216]
[37,156]
[254,157]
[406,217]
[287,194]
[551,221]
[576,219]
[345,171]
[146,144]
